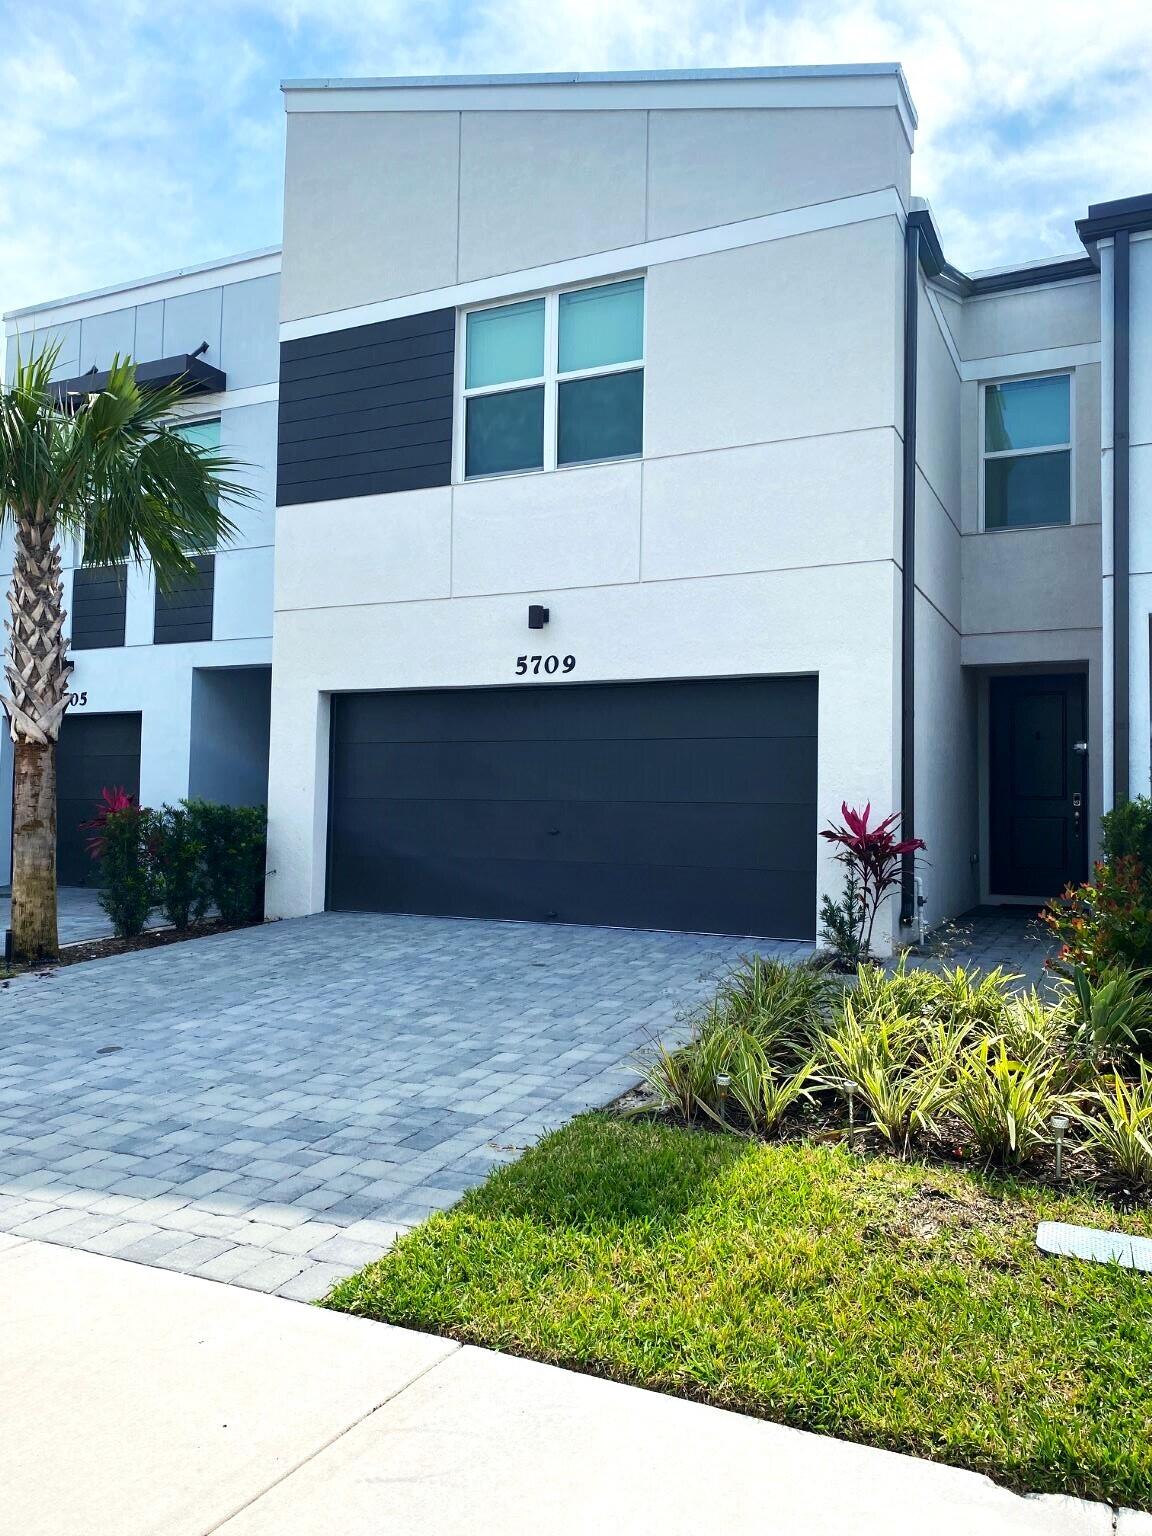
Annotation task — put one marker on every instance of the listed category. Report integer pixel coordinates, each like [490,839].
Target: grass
[892,1303]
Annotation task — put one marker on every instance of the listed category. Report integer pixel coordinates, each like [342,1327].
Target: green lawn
[897,1304]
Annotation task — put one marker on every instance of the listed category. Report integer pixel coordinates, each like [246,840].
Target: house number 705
[548,664]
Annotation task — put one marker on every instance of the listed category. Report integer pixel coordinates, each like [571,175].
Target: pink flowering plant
[872,857]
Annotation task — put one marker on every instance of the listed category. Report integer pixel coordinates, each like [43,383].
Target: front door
[1038,784]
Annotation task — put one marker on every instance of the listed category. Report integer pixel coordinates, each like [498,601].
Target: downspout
[1121,722]
[908,577]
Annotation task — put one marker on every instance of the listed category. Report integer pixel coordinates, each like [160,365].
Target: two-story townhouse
[588,543]
[648,483]
[171,692]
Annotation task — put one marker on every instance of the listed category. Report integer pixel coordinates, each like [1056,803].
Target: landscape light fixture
[851,1089]
[723,1083]
[1059,1124]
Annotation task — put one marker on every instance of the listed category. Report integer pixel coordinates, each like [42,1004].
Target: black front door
[1038,784]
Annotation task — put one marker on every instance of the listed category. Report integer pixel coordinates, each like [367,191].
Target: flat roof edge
[143,282]
[609,77]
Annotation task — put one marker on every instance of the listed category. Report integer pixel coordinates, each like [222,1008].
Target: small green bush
[234,842]
[1105,922]
[1126,832]
[125,879]
[176,855]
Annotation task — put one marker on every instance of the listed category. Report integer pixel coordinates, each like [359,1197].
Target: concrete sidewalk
[139,1402]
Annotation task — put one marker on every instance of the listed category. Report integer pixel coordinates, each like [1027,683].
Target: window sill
[1028,527]
[559,469]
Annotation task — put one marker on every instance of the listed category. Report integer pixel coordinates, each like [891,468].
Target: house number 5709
[548,664]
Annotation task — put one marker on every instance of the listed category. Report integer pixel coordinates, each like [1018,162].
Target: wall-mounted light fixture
[537,616]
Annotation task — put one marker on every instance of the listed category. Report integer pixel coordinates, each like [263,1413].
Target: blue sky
[137,137]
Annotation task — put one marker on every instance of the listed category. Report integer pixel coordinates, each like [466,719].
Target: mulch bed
[151,938]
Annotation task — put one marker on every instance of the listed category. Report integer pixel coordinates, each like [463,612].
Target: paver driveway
[270,1106]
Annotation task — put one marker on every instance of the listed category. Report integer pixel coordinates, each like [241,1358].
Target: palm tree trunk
[34,935]
[36,669]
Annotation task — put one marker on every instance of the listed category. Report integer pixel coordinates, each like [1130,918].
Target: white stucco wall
[756,536]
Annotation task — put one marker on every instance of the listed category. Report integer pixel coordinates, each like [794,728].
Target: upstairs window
[1028,452]
[555,380]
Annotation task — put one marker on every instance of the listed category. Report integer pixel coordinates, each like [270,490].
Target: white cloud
[137,138]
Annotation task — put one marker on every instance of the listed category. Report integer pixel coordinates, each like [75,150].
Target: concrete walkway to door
[144,1404]
[271,1106]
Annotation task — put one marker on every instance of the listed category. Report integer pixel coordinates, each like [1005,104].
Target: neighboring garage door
[95,751]
[686,805]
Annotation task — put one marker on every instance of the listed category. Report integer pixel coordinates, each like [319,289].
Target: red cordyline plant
[872,857]
[111,801]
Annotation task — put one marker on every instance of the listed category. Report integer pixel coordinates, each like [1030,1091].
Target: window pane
[1028,491]
[505,344]
[1028,414]
[601,326]
[205,434]
[601,418]
[504,432]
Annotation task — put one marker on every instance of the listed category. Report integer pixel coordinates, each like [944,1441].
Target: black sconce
[537,616]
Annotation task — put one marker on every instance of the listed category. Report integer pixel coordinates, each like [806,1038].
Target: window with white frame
[554,380]
[1028,452]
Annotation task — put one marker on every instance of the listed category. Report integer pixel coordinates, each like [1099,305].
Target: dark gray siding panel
[659,805]
[99,594]
[185,613]
[368,410]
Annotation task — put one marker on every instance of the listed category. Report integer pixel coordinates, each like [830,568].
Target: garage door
[95,751]
[686,805]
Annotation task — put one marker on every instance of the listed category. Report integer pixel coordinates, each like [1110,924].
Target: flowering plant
[111,801]
[872,857]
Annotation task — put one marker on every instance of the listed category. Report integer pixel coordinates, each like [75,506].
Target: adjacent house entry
[680,805]
[1038,783]
[95,751]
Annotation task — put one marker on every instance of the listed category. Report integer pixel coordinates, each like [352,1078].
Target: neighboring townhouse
[171,692]
[639,456]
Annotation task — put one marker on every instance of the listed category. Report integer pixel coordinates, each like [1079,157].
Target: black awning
[196,376]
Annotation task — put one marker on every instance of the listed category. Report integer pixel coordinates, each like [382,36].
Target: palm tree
[112,470]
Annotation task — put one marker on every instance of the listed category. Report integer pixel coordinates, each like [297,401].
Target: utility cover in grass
[1096,1244]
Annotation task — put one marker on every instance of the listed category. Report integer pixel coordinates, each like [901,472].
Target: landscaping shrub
[1117,1120]
[900,1066]
[125,879]
[1007,1103]
[176,855]
[1106,922]
[1112,1011]
[872,858]
[234,843]
[1126,832]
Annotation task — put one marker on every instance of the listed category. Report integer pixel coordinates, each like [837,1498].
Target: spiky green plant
[1117,1121]
[901,1066]
[1007,1102]
[1112,1011]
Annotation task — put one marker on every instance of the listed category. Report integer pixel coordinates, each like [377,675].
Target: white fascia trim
[169,285]
[703,242]
[227,400]
[1044,360]
[883,86]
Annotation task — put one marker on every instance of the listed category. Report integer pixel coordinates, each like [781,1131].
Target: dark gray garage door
[685,805]
[95,751]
